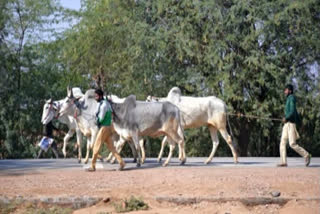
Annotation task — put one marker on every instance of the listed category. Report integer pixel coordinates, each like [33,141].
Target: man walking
[289,130]
[103,118]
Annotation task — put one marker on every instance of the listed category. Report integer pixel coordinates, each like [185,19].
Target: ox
[119,144]
[84,110]
[200,111]
[50,111]
[132,120]
[84,114]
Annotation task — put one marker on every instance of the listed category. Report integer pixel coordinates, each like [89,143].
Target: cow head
[68,104]
[50,110]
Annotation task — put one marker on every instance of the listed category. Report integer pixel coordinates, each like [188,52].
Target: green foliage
[31,208]
[31,72]
[131,204]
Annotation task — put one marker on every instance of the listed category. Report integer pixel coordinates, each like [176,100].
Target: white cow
[50,111]
[119,144]
[85,122]
[200,111]
[134,119]
[84,115]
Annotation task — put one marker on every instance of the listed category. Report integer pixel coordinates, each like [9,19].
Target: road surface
[28,165]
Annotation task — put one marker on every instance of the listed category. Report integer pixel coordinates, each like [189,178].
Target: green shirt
[104,113]
[106,121]
[291,113]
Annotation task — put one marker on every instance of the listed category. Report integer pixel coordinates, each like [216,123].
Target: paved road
[30,165]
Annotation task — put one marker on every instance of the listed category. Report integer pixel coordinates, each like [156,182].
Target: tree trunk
[244,139]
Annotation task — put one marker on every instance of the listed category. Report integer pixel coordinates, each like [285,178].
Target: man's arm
[103,111]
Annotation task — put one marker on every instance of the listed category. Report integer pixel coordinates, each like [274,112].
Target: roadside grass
[131,204]
[6,208]
[31,208]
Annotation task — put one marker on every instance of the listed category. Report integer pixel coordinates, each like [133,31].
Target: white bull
[82,110]
[200,111]
[51,110]
[120,143]
[85,121]
[134,119]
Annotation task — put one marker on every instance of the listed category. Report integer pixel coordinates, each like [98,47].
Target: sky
[62,26]
[72,4]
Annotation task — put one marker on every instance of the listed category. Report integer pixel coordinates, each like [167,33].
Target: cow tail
[231,133]
[113,112]
[229,126]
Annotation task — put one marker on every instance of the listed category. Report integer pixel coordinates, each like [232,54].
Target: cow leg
[88,151]
[143,154]
[215,143]
[228,139]
[90,144]
[109,157]
[163,144]
[171,146]
[119,146]
[79,142]
[135,139]
[134,151]
[177,137]
[65,142]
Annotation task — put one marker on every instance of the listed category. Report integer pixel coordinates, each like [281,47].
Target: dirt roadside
[175,190]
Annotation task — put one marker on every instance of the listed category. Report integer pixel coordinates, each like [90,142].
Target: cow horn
[69,91]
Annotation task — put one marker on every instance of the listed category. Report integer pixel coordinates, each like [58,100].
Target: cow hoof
[101,159]
[79,160]
[134,160]
[138,165]
[86,161]
[236,162]
[159,160]
[165,164]
[121,167]
[90,169]
[182,162]
[206,162]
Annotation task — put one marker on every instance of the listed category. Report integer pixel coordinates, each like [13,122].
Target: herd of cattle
[132,120]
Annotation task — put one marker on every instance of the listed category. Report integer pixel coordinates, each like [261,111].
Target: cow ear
[55,106]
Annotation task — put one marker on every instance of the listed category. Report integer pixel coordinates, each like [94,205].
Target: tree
[242,51]
[30,72]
